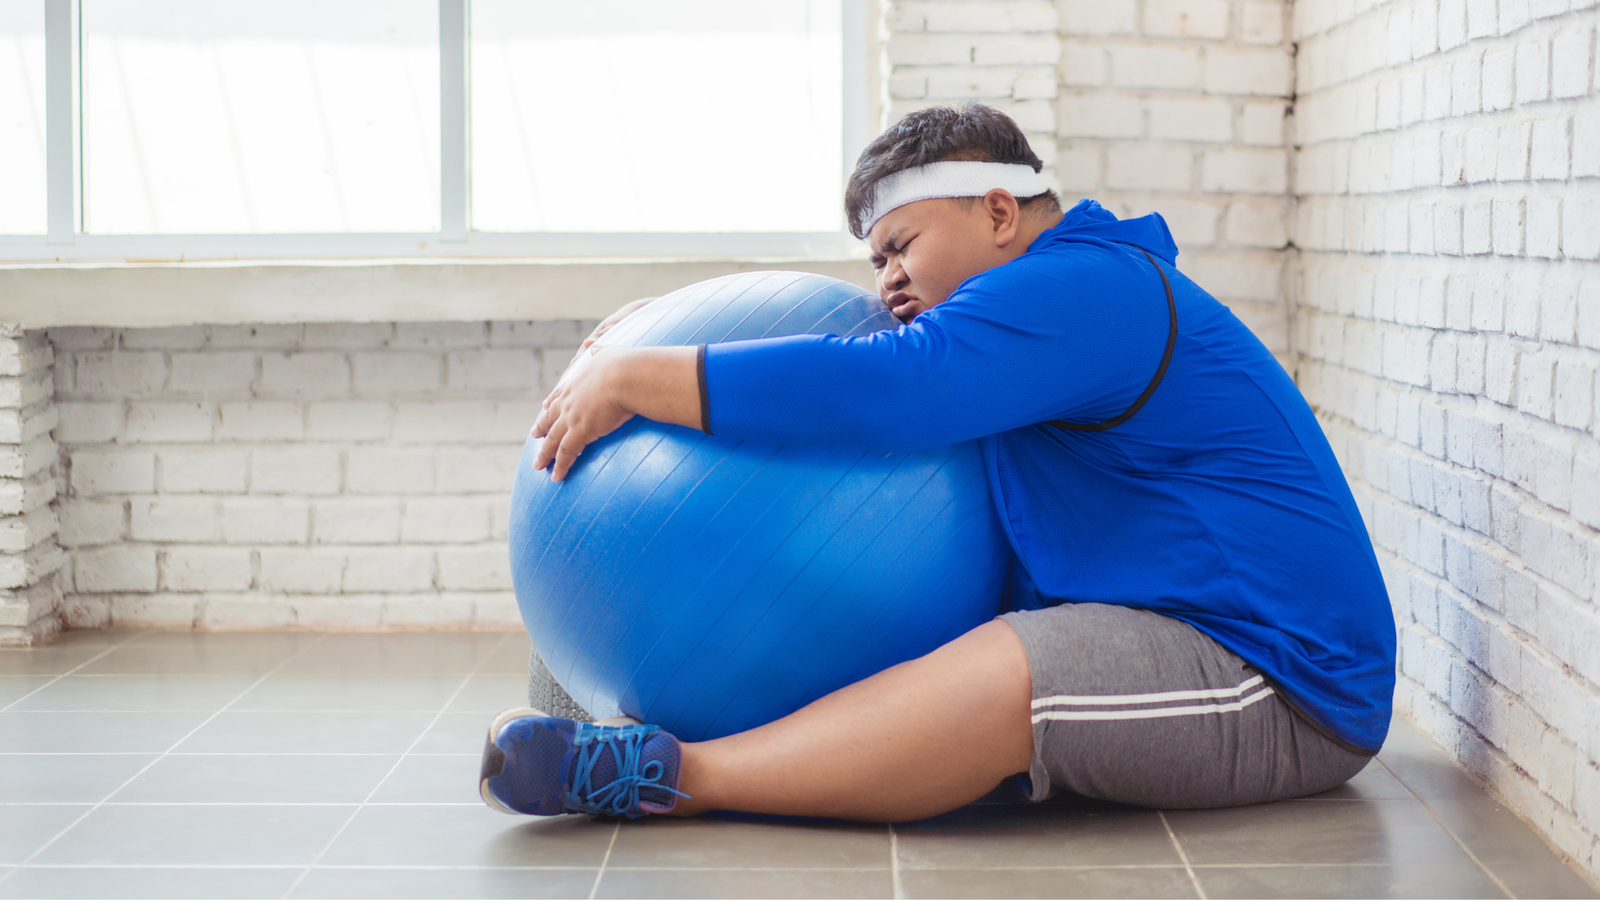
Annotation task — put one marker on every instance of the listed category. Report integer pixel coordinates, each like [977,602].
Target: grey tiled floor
[301,765]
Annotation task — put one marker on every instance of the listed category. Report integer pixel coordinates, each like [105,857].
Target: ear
[1005,217]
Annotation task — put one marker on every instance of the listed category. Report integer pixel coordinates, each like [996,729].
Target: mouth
[904,306]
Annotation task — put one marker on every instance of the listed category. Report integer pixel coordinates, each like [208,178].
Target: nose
[892,278]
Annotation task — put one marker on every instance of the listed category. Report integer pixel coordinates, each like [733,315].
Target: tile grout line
[594,889]
[896,890]
[98,656]
[190,733]
[1450,831]
[384,780]
[1184,857]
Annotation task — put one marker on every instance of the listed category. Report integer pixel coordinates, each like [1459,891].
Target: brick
[1544,227]
[347,335]
[1482,20]
[1261,23]
[1447,225]
[1511,152]
[213,373]
[1186,18]
[1262,124]
[260,421]
[1466,87]
[191,519]
[1549,156]
[1098,117]
[88,423]
[1436,93]
[356,521]
[1245,171]
[928,50]
[440,421]
[474,568]
[1580,227]
[487,471]
[295,471]
[1481,159]
[304,374]
[1585,145]
[206,569]
[168,422]
[240,336]
[79,338]
[510,420]
[1191,120]
[1143,167]
[1569,63]
[392,371]
[1544,9]
[245,613]
[113,472]
[1411,98]
[401,569]
[1476,234]
[497,369]
[1498,81]
[120,374]
[88,523]
[294,570]
[1532,72]
[259,520]
[1155,67]
[392,471]
[349,420]
[1258,224]
[1260,72]
[1015,49]
[1588,314]
[445,520]
[984,17]
[1098,17]
[204,471]
[1508,227]
[1421,228]
[1558,311]
[123,567]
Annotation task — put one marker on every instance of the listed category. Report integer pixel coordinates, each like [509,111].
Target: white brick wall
[30,557]
[317,476]
[1448,223]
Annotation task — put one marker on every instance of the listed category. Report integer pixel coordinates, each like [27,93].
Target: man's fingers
[552,441]
[566,455]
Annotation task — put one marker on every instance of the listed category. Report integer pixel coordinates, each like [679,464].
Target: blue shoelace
[620,796]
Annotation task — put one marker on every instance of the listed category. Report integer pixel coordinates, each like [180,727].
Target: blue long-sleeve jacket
[1219,503]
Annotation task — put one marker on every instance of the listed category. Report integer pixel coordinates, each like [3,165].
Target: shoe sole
[494,758]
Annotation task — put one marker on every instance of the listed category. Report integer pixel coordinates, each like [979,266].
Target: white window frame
[65,241]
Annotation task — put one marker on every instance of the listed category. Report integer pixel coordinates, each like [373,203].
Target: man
[1196,616]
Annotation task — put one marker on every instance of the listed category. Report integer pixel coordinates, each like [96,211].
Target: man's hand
[582,409]
[608,323]
[616,383]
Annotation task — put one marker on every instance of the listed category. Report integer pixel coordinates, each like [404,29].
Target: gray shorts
[1136,707]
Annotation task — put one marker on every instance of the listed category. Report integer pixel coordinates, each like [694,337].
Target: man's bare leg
[915,740]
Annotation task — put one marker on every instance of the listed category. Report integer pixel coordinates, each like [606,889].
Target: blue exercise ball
[710,585]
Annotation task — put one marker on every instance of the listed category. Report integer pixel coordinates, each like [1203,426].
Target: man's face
[922,252]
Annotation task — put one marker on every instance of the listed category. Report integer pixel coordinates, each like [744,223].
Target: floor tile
[1348,881]
[198,835]
[257,778]
[24,829]
[1165,881]
[1372,783]
[468,836]
[456,733]
[158,884]
[66,653]
[511,658]
[432,779]
[135,693]
[1393,831]
[1052,834]
[745,842]
[16,687]
[745,883]
[100,732]
[309,732]
[402,655]
[439,884]
[491,694]
[297,691]
[187,653]
[1421,766]
[1493,833]
[58,778]
[1543,880]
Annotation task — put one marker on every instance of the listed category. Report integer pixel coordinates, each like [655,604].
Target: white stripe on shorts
[1135,699]
[1159,712]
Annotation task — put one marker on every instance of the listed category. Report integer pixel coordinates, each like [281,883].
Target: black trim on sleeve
[1161,370]
[705,396]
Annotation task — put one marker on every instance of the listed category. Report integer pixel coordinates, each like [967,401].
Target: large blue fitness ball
[710,585]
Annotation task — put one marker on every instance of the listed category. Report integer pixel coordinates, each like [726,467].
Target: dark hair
[971,131]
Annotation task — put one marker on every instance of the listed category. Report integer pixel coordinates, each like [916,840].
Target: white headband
[949,179]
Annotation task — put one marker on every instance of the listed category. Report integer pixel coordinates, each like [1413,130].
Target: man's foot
[540,765]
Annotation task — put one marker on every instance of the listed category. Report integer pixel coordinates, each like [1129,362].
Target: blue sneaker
[540,765]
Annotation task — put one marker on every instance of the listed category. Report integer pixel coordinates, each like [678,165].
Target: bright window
[656,116]
[22,155]
[243,117]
